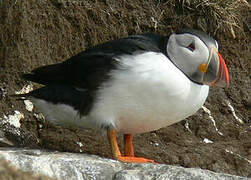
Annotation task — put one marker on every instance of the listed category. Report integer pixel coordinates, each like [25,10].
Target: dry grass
[215,16]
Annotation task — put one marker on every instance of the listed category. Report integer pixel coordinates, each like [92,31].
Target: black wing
[81,75]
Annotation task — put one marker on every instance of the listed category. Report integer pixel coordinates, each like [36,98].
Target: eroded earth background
[35,33]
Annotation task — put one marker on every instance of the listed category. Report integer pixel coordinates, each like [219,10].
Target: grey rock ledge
[73,166]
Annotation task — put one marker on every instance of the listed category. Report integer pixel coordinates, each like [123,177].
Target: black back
[76,81]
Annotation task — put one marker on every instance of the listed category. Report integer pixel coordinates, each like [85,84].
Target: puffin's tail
[20,97]
[47,74]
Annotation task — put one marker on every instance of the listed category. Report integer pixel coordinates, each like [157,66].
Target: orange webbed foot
[129,159]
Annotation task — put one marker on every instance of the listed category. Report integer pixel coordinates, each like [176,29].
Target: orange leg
[128,145]
[111,134]
[129,154]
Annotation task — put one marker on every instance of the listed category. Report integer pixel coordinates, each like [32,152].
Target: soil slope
[45,32]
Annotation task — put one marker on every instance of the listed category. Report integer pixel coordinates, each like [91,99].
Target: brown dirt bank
[45,32]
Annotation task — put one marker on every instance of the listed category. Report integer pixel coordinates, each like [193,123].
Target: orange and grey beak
[216,72]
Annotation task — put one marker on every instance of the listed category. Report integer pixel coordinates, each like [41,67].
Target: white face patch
[185,59]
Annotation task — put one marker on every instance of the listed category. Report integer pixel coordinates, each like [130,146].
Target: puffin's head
[196,54]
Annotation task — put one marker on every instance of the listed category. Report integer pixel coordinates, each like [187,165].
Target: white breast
[147,92]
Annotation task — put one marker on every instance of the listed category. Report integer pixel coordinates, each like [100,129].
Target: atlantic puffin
[135,84]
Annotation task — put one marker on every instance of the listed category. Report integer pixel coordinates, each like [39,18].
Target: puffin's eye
[191,46]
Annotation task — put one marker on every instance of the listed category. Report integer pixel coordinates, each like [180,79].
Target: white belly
[146,95]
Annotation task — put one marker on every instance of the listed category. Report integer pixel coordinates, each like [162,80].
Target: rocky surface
[9,172]
[217,137]
[82,166]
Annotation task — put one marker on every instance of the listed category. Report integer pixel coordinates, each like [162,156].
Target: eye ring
[191,46]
